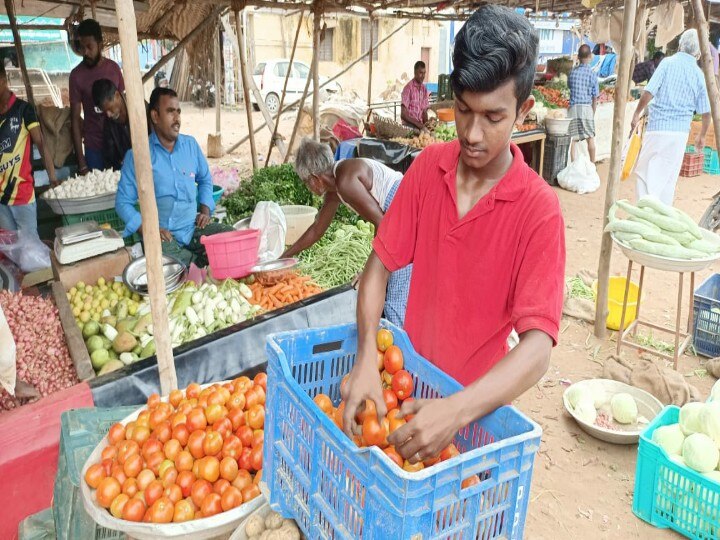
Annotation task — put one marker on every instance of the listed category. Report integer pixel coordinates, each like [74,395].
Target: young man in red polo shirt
[486,236]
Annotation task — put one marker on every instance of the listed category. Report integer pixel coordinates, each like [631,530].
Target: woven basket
[389,129]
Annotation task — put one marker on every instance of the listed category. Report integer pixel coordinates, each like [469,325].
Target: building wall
[395,57]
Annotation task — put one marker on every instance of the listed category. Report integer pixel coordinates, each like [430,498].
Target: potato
[255,525]
[273,521]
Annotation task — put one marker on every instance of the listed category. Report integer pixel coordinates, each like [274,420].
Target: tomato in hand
[449,452]
[366,411]
[394,456]
[393,359]
[409,467]
[375,433]
[391,401]
[107,490]
[402,384]
[384,339]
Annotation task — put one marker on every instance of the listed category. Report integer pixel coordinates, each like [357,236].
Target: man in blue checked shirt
[584,91]
[675,92]
[182,180]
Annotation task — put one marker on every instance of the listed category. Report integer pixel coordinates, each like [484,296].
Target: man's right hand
[634,123]
[363,383]
[165,235]
[83,169]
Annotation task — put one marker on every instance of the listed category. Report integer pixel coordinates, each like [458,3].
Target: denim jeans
[94,159]
[19,217]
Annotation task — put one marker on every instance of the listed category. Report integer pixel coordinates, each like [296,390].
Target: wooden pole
[317,12]
[10,8]
[331,79]
[127,30]
[707,67]
[218,79]
[181,44]
[613,183]
[93,9]
[246,88]
[284,91]
[370,62]
[300,111]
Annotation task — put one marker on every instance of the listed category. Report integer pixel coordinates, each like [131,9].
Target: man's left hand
[700,144]
[202,220]
[429,432]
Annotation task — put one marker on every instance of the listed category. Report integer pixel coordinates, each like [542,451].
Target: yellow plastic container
[616,293]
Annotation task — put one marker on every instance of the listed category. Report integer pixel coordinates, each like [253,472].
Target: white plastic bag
[7,356]
[269,218]
[580,175]
[25,250]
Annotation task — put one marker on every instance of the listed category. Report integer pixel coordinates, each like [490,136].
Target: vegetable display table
[681,267]
[534,138]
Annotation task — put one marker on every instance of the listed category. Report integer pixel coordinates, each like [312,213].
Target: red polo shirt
[501,266]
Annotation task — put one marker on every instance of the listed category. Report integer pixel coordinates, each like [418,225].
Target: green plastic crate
[80,432]
[101,217]
[38,526]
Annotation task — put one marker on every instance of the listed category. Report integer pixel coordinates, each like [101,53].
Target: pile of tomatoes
[193,456]
[398,386]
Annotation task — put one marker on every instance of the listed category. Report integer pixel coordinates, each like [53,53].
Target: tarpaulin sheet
[227,353]
[392,154]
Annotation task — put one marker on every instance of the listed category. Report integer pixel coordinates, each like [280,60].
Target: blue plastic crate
[334,489]
[670,495]
[711,164]
[80,432]
[706,317]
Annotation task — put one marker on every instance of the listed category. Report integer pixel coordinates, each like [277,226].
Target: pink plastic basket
[232,254]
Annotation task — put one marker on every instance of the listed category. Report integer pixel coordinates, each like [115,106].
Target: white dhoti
[659,164]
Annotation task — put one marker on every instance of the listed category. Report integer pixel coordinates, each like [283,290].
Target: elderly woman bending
[363,185]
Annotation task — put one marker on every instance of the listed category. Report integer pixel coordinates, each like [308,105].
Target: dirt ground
[582,487]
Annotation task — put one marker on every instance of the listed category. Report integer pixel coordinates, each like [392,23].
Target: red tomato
[118,473]
[324,403]
[374,433]
[368,410]
[185,480]
[384,339]
[130,487]
[134,510]
[242,384]
[141,434]
[394,456]
[258,478]
[409,467]
[192,390]
[393,359]
[196,420]
[151,447]
[250,492]
[339,415]
[242,480]
[252,397]
[232,447]
[470,481]
[144,478]
[195,443]
[213,443]
[94,475]
[116,433]
[245,434]
[154,461]
[162,511]
[109,452]
[223,427]
[244,461]
[449,452]
[172,448]
[159,416]
[167,472]
[133,465]
[380,361]
[230,498]
[261,380]
[175,397]
[386,379]
[228,469]
[256,417]
[391,401]
[402,384]
[177,419]
[200,489]
[431,461]
[143,419]
[183,512]
[126,449]
[258,437]
[107,490]
[237,417]
[153,401]
[209,469]
[211,505]
[107,465]
[215,412]
[181,433]
[256,458]
[173,492]
[220,486]
[153,492]
[184,461]
[162,431]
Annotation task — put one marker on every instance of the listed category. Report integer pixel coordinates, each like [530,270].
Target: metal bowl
[271,272]
[242,224]
[648,408]
[135,274]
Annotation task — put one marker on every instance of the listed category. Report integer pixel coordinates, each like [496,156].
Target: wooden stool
[632,329]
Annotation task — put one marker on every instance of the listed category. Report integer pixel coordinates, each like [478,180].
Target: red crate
[692,164]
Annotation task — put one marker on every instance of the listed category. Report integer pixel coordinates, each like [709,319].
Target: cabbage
[700,453]
[677,459]
[689,419]
[709,421]
[713,475]
[574,394]
[598,393]
[669,438]
[715,392]
[624,408]
[585,410]
[592,390]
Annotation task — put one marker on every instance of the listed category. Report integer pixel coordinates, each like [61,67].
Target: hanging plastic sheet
[397,156]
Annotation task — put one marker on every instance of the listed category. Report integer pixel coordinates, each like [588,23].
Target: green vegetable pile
[655,228]
[339,255]
[280,184]
[445,132]
[577,289]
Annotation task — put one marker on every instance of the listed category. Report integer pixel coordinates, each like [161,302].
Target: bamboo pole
[296,125]
[284,91]
[707,67]
[181,44]
[317,12]
[218,83]
[246,87]
[370,62]
[93,9]
[331,79]
[613,183]
[10,8]
[127,30]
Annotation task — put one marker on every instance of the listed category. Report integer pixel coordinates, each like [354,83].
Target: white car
[270,75]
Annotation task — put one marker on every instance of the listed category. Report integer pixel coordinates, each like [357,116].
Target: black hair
[494,45]
[157,93]
[3,74]
[584,52]
[419,65]
[103,90]
[659,55]
[90,28]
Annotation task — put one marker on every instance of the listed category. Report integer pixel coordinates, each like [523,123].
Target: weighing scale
[83,241]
